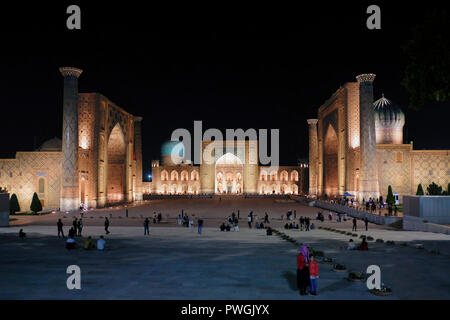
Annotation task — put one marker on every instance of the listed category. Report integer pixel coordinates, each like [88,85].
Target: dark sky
[267,66]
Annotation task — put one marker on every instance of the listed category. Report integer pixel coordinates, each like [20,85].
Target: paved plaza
[175,263]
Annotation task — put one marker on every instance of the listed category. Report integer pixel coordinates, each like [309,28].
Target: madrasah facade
[356,145]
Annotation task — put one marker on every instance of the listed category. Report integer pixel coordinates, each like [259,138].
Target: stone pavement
[174,263]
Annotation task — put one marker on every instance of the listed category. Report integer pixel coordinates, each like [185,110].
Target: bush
[434,190]
[404,244]
[390,197]
[36,204]
[380,240]
[390,242]
[419,190]
[338,266]
[356,275]
[327,260]
[369,238]
[14,204]
[317,253]
[362,236]
[354,235]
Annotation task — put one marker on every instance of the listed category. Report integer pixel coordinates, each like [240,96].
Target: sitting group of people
[362,246]
[319,216]
[88,243]
[303,225]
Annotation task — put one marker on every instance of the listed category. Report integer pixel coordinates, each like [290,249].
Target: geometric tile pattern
[430,166]
[20,176]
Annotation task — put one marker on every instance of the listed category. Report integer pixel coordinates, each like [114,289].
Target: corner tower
[70,197]
[368,151]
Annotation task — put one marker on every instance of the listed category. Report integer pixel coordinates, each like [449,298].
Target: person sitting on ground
[88,243]
[261,225]
[364,245]
[228,228]
[286,226]
[101,243]
[71,232]
[257,225]
[351,245]
[222,227]
[70,243]
[269,231]
[313,226]
[22,234]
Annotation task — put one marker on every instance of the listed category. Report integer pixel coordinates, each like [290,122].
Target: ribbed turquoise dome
[172,146]
[387,112]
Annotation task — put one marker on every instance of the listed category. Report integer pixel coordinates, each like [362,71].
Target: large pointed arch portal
[116,150]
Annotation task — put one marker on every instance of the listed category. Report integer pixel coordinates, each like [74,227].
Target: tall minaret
[70,196]
[138,153]
[313,155]
[368,151]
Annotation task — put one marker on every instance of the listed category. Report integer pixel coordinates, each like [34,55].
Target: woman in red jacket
[303,270]
[313,274]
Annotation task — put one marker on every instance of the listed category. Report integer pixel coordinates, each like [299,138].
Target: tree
[426,75]
[419,190]
[390,197]
[13,204]
[36,204]
[434,190]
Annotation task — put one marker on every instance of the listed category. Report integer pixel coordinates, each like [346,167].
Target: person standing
[146,227]
[266,218]
[106,225]
[191,224]
[307,222]
[200,226]
[75,225]
[303,279]
[295,214]
[249,219]
[238,215]
[60,228]
[354,224]
[313,275]
[395,210]
[126,212]
[366,222]
[80,227]
[179,219]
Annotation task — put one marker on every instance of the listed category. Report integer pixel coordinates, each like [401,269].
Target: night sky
[266,66]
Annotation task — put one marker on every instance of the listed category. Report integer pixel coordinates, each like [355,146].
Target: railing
[373,218]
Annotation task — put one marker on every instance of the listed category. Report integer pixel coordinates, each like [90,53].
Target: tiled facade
[227,175]
[340,163]
[105,159]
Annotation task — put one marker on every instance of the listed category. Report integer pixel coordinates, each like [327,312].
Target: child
[313,274]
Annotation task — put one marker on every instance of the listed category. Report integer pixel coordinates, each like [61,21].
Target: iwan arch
[98,161]
[356,146]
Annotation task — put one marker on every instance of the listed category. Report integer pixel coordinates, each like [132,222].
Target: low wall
[435,209]
[373,218]
[416,224]
[4,209]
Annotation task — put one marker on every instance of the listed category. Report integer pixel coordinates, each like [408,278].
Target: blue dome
[387,112]
[170,147]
